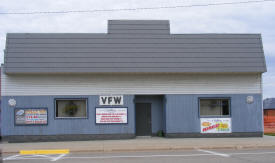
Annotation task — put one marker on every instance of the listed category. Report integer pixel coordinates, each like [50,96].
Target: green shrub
[160,133]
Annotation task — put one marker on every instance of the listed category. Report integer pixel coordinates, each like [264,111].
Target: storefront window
[71,108]
[214,107]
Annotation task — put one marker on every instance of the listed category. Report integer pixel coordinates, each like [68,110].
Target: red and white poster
[111,115]
[216,125]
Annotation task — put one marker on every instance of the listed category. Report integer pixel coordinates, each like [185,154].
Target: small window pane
[71,108]
[214,107]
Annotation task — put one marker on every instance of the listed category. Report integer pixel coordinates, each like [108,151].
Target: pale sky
[238,18]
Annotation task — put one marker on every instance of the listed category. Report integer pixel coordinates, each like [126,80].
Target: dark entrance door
[143,119]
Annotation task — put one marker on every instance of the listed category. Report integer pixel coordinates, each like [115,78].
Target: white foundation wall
[100,84]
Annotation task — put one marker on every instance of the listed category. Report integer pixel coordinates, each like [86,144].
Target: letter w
[117,100]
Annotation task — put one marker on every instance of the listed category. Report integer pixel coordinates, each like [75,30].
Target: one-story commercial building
[137,79]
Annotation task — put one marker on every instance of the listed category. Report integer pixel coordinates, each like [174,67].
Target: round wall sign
[249,99]
[12,102]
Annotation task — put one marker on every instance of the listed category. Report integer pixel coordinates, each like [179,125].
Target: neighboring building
[269,115]
[135,80]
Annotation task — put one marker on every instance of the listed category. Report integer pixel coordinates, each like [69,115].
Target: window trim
[215,116]
[55,108]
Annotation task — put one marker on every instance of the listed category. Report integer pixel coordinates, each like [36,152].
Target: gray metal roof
[269,103]
[138,27]
[133,46]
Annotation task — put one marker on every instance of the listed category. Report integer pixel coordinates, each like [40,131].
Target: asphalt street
[196,156]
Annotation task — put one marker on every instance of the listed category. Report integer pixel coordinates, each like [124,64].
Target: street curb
[175,148]
[140,149]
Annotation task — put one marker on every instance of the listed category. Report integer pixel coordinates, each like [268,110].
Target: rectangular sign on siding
[111,100]
[216,125]
[35,116]
[111,115]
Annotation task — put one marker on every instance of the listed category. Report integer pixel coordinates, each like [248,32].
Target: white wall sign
[111,115]
[249,99]
[111,100]
[12,102]
[216,125]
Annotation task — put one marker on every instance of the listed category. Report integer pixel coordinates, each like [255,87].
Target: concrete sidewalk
[143,144]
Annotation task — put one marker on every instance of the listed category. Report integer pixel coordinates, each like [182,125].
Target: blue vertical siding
[173,114]
[63,126]
[164,114]
[182,113]
[247,117]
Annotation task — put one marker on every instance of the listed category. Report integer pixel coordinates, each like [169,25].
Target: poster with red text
[216,125]
[31,116]
[111,115]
